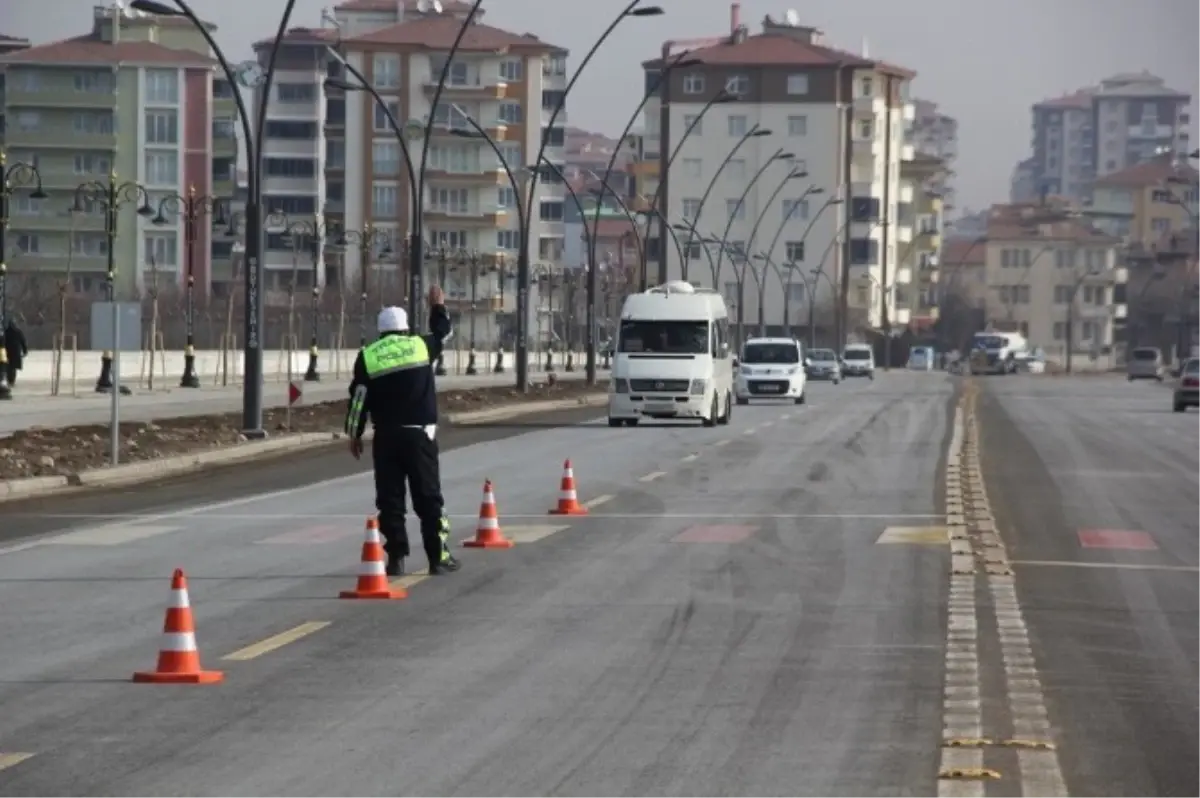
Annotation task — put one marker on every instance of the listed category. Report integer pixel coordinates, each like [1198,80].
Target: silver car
[823,364]
[1145,363]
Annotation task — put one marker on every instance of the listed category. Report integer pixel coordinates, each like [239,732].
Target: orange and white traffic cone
[179,659]
[487,533]
[372,574]
[568,500]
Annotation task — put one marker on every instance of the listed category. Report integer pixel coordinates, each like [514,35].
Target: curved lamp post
[780,155]
[752,133]
[522,353]
[190,208]
[314,233]
[13,176]
[253,130]
[365,241]
[112,196]
[694,235]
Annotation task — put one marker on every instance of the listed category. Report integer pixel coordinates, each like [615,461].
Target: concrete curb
[133,473]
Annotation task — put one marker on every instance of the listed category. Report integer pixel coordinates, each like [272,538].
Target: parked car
[1187,390]
[823,364]
[1145,363]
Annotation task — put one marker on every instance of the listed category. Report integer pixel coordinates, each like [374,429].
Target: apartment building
[838,115]
[508,83]
[1045,268]
[8,44]
[935,134]
[132,97]
[1144,204]
[300,182]
[1096,131]
[921,208]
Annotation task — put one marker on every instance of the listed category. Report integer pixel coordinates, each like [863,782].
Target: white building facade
[824,215]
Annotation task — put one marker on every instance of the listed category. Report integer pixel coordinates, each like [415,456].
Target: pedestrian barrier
[179,659]
[568,499]
[487,532]
[372,574]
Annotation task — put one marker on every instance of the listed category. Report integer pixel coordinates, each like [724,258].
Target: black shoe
[395,566]
[446,566]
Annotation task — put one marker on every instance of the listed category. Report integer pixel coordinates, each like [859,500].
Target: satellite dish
[792,16]
[437,6]
[424,5]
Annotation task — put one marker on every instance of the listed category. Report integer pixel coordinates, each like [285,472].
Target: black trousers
[408,458]
[11,372]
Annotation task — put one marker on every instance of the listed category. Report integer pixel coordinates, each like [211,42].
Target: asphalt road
[1094,482]
[724,622]
[34,410]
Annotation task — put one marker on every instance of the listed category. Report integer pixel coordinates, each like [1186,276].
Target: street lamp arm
[265,95]
[770,203]
[20,174]
[629,214]
[588,237]
[779,233]
[749,134]
[762,170]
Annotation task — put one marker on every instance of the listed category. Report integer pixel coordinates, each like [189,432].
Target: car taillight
[1190,382]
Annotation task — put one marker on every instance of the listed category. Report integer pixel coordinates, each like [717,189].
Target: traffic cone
[372,574]
[488,534]
[568,500]
[178,659]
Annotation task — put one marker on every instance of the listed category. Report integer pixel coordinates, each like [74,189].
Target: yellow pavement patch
[276,641]
[416,577]
[915,535]
[532,533]
[12,759]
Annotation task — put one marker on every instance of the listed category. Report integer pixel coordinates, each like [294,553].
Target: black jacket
[402,398]
[15,346]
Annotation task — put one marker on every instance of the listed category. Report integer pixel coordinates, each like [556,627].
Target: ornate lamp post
[13,176]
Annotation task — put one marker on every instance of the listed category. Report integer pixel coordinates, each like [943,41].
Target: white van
[858,360]
[771,368]
[672,357]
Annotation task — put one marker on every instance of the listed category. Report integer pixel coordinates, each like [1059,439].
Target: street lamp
[523,271]
[312,232]
[191,208]
[367,241]
[779,155]
[250,75]
[111,196]
[12,177]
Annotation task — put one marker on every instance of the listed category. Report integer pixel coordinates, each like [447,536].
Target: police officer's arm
[357,412]
[439,330]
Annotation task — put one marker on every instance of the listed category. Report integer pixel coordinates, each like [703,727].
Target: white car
[771,368]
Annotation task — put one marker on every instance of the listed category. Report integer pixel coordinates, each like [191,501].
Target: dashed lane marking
[725,442]
[749,431]
[591,504]
[653,475]
[688,458]
[766,424]
[8,760]
[1191,569]
[276,642]
[532,533]
[111,535]
[785,416]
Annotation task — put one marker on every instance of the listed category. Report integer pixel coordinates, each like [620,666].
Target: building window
[335,154]
[551,211]
[381,123]
[737,85]
[737,125]
[512,154]
[866,87]
[28,244]
[693,250]
[94,123]
[162,168]
[450,200]
[693,83]
[162,87]
[691,209]
[225,127]
[162,127]
[734,209]
[797,125]
[795,209]
[383,202]
[506,197]
[795,251]
[795,293]
[28,121]
[457,75]
[97,82]
[162,249]
[797,84]
[291,167]
[385,158]
[92,164]
[866,129]
[694,124]
[296,93]
[512,70]
[508,239]
[693,167]
[511,113]
[385,71]
[1160,225]
[287,129]
[27,205]
[731,293]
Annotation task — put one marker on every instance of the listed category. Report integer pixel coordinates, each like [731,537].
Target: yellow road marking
[725,442]
[689,458]
[591,504]
[920,535]
[416,577]
[12,760]
[653,475]
[276,641]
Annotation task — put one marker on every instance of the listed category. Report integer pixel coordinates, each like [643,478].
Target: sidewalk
[28,410]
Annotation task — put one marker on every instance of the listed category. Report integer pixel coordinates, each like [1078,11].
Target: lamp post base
[570,362]
[5,388]
[440,369]
[471,369]
[312,374]
[254,434]
[499,368]
[104,382]
[189,379]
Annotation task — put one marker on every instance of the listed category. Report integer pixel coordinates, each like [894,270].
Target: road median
[38,462]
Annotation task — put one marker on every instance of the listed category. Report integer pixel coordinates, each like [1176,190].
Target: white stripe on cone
[179,641]
[371,568]
[488,523]
[373,536]
[179,600]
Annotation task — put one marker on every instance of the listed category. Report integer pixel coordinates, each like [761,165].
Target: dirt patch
[64,451]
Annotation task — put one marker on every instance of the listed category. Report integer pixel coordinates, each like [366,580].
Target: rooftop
[88,50]
[438,33]
[310,36]
[1150,173]
[450,6]
[13,41]
[964,251]
[1077,100]
[780,44]
[1050,221]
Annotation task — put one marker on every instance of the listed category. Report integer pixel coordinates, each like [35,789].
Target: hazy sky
[983,62]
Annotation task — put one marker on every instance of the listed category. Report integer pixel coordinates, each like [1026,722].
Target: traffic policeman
[393,383]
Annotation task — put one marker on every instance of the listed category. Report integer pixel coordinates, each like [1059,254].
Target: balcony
[56,137]
[16,97]
[1120,310]
[863,150]
[906,194]
[904,233]
[492,216]
[907,152]
[474,177]
[496,131]
[868,105]
[559,121]
[903,276]
[909,112]
[479,89]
